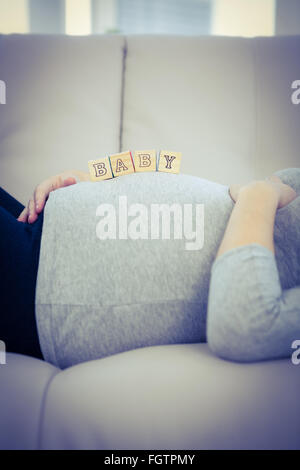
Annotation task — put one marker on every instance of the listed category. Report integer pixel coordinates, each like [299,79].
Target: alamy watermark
[2,352]
[2,92]
[296,354]
[295,96]
[153,224]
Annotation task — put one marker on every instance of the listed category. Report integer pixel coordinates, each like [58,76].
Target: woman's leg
[250,316]
[19,253]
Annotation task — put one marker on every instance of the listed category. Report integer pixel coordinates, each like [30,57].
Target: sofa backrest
[63,100]
[224,102]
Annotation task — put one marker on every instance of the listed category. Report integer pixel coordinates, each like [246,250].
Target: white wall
[104,15]
[78,17]
[243,17]
[14,16]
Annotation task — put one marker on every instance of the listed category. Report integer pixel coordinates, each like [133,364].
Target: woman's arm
[37,202]
[249,317]
[252,218]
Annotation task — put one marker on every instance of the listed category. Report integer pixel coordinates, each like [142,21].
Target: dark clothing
[19,259]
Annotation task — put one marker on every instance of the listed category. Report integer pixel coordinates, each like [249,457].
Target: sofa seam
[124,56]
[42,409]
[256,147]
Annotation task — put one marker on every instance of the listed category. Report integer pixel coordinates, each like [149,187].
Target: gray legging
[97,297]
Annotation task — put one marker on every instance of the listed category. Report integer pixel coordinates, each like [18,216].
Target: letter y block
[169,161]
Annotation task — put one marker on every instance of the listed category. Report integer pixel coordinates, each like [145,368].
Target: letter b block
[121,163]
[169,161]
[100,169]
[145,160]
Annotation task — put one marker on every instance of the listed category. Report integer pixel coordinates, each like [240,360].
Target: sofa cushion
[24,382]
[173,397]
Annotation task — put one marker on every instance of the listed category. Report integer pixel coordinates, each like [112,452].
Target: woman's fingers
[70,180]
[274,178]
[43,190]
[28,214]
[32,216]
[41,193]
[286,193]
[23,216]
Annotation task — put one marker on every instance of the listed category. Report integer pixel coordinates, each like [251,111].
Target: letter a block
[121,163]
[100,169]
[169,161]
[145,160]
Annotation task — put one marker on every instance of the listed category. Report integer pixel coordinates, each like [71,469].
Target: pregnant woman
[68,296]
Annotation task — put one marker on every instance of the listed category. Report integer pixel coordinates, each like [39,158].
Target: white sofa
[225,103]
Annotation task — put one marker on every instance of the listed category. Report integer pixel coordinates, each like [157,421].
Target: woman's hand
[41,193]
[284,192]
[252,218]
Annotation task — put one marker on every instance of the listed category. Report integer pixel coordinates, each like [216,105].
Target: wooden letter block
[169,161]
[121,163]
[100,169]
[145,160]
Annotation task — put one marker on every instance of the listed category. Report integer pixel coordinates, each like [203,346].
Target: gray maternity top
[110,281]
